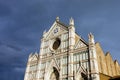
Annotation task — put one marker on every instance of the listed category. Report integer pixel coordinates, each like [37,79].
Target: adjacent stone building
[64,55]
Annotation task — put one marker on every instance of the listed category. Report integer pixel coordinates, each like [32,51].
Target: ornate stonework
[66,56]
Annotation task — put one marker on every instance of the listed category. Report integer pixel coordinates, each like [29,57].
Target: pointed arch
[81,73]
[55,74]
[52,71]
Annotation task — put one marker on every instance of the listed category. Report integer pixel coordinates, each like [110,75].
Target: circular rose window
[56,44]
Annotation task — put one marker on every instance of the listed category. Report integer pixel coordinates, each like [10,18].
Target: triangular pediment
[56,29]
[34,57]
[53,63]
[81,69]
[50,69]
[80,73]
[79,44]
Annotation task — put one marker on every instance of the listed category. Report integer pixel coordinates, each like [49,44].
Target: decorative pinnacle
[91,37]
[44,31]
[71,21]
[57,19]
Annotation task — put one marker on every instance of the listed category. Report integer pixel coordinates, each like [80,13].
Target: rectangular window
[87,65]
[64,70]
[65,60]
[74,56]
[66,43]
[77,57]
[80,57]
[83,56]
[86,55]
[84,64]
[75,67]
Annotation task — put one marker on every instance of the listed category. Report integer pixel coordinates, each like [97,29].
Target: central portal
[54,74]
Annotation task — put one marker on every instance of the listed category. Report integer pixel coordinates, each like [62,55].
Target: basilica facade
[64,55]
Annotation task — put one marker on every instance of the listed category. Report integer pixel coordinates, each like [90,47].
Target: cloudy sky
[22,23]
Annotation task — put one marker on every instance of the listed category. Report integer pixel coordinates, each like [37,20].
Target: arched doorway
[83,76]
[54,75]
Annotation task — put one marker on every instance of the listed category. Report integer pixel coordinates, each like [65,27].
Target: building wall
[73,59]
[101,59]
[31,69]
[104,77]
[106,64]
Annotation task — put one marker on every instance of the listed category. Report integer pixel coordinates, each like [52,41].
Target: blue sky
[22,23]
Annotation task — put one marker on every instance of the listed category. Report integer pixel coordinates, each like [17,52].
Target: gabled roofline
[82,39]
[65,26]
[60,23]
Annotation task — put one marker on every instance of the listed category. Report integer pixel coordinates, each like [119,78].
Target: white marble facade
[64,55]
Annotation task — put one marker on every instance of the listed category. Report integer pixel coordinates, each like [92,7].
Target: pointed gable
[79,42]
[53,64]
[56,29]
[33,57]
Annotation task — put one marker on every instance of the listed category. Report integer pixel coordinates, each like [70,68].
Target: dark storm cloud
[23,21]
[4,10]
[19,25]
